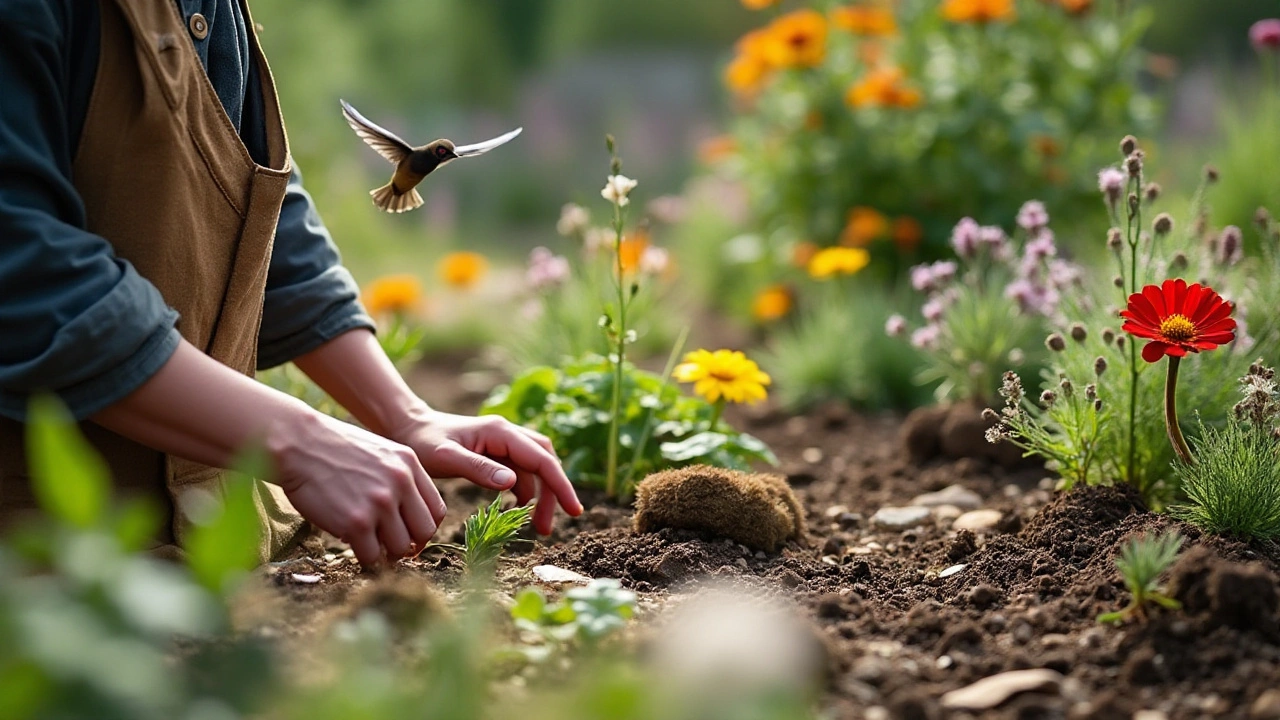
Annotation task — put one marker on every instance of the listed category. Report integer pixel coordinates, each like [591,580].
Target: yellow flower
[977,11]
[797,39]
[771,303]
[758,4]
[882,87]
[750,68]
[462,269]
[863,225]
[838,261]
[907,233]
[864,20]
[726,374]
[392,294]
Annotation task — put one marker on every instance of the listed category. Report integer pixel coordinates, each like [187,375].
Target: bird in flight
[412,163]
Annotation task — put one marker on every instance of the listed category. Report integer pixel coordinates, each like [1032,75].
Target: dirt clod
[756,509]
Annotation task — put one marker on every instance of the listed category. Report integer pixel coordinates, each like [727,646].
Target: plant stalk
[1171,413]
[611,470]
[715,415]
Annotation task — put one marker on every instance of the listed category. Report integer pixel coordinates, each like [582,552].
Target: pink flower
[546,269]
[932,310]
[895,325]
[943,271]
[964,238]
[926,338]
[1063,273]
[654,260]
[1042,247]
[922,278]
[1265,35]
[1032,298]
[1032,216]
[1111,183]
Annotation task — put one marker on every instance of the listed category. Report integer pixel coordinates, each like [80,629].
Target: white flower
[616,189]
[573,220]
[654,261]
[895,325]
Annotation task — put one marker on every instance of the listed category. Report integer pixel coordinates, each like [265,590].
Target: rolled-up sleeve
[74,318]
[311,298]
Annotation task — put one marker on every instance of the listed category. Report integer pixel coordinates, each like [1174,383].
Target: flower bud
[1097,405]
[1067,388]
[1055,343]
[1017,357]
[1120,342]
[1179,261]
[1048,398]
[1133,204]
[1211,174]
[1114,239]
[1230,247]
[1128,145]
[1162,224]
[990,415]
[1091,391]
[1133,163]
[1099,365]
[1262,219]
[1108,336]
[1151,192]
[1078,332]
[1117,281]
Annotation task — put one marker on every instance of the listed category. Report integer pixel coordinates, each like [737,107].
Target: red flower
[1178,318]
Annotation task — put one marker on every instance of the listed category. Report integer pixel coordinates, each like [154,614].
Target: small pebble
[835,511]
[945,662]
[306,579]
[977,520]
[1266,707]
[957,495]
[849,520]
[900,518]
[1150,715]
[553,574]
[812,455]
[947,512]
[952,570]
[991,692]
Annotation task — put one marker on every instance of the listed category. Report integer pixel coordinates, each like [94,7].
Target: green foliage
[69,479]
[1008,110]
[571,406]
[1064,428]
[1234,485]
[223,543]
[836,349]
[586,614]
[1141,563]
[489,531]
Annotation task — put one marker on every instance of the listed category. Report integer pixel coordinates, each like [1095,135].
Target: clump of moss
[755,509]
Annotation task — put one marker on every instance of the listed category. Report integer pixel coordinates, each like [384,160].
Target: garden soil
[909,614]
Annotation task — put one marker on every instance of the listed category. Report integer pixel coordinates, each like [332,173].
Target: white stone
[900,518]
[306,579]
[952,570]
[558,575]
[1266,707]
[957,495]
[947,512]
[835,511]
[945,662]
[977,520]
[1150,715]
[992,691]
[812,455]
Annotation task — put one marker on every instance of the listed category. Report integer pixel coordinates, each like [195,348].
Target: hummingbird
[412,163]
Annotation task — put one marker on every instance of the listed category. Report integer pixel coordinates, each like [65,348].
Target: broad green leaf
[70,480]
[224,545]
[529,605]
[694,446]
[136,523]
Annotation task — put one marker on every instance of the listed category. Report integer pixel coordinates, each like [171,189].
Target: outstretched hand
[496,454]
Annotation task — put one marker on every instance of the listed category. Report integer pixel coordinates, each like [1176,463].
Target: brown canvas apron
[166,179]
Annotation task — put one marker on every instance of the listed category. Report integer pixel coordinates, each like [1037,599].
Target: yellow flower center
[1178,328]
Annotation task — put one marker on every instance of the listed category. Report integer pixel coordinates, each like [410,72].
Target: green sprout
[489,531]
[1142,560]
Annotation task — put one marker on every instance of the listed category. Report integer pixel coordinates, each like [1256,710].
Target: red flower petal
[1154,351]
[1156,298]
[1211,302]
[1218,314]
[1192,303]
[1175,292]
[1223,325]
[1216,339]
[1141,331]
[1142,310]
[1179,350]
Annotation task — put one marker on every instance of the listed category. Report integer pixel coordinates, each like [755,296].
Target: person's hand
[496,454]
[371,492]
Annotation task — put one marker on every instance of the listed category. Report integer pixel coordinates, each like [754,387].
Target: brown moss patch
[755,509]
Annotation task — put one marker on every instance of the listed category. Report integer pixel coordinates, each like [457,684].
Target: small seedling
[588,613]
[1142,560]
[489,531]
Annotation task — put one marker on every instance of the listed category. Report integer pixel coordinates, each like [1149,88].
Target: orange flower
[1077,7]
[797,39]
[462,270]
[864,20]
[392,294]
[882,87]
[803,252]
[907,233]
[716,149]
[863,225]
[871,53]
[1046,146]
[751,67]
[977,11]
[631,253]
[771,303]
[758,4]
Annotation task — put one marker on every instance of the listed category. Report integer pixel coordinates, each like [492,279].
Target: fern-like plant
[1141,563]
[489,531]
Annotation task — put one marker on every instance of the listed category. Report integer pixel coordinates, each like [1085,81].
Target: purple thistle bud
[1262,218]
[964,238]
[1063,274]
[1265,35]
[991,236]
[1230,246]
[1162,224]
[1128,145]
[1151,192]
[922,278]
[1032,216]
[1108,335]
[1042,247]
[1133,163]
[1111,184]
[895,325]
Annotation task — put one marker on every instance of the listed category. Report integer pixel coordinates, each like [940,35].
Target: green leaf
[529,605]
[694,446]
[224,543]
[70,480]
[136,523]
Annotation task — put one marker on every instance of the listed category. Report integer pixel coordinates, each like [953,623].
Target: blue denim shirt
[76,319]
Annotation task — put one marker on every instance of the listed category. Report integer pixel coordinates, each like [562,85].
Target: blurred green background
[569,71]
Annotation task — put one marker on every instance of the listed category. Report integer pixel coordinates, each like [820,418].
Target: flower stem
[611,470]
[716,412]
[1171,413]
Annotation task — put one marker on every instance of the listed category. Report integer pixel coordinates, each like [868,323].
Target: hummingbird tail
[389,200]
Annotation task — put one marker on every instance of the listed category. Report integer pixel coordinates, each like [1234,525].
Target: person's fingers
[393,536]
[526,487]
[453,460]
[418,520]
[532,457]
[545,511]
[429,493]
[539,438]
[367,550]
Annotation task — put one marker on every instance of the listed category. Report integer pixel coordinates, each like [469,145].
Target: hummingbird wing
[388,144]
[484,147]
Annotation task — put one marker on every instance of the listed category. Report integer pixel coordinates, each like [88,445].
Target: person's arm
[489,451]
